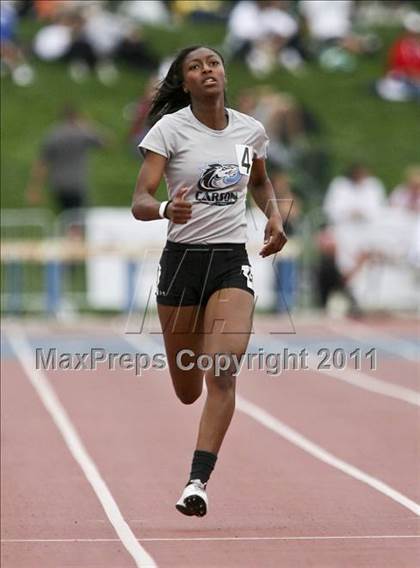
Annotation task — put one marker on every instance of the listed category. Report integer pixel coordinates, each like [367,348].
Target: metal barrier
[45,260]
[35,275]
[22,285]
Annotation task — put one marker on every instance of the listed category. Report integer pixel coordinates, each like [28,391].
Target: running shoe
[193,500]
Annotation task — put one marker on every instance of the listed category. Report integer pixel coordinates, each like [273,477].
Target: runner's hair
[170,95]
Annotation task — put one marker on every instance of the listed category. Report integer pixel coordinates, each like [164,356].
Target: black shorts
[69,200]
[189,274]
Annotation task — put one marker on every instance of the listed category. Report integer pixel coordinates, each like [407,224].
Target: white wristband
[162,209]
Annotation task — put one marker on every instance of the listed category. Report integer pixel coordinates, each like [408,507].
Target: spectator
[407,195]
[329,278]
[286,265]
[354,197]
[12,57]
[329,24]
[64,40]
[289,126]
[139,125]
[199,10]
[402,80]
[282,118]
[114,37]
[48,10]
[264,32]
[145,12]
[91,38]
[63,159]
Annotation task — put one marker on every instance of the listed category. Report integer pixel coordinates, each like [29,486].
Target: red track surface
[265,494]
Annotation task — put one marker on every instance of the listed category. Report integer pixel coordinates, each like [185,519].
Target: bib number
[244,157]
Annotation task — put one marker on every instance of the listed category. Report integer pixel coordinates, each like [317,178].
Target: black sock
[202,465]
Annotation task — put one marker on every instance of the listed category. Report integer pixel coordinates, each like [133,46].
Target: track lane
[372,432]
[44,493]
[279,490]
[262,485]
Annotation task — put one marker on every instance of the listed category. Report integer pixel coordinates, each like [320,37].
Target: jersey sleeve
[159,139]
[261,142]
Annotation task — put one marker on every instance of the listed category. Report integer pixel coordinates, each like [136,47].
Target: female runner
[209,155]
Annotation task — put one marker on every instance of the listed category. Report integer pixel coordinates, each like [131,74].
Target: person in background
[200,10]
[356,196]
[296,143]
[139,118]
[407,195]
[63,161]
[154,13]
[12,57]
[331,36]
[91,38]
[266,34]
[282,118]
[46,10]
[328,276]
[402,80]
[286,267]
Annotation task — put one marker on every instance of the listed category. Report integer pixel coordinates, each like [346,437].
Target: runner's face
[204,74]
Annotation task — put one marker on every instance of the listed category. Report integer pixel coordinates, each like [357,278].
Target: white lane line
[366,382]
[356,378]
[40,383]
[270,422]
[215,538]
[356,330]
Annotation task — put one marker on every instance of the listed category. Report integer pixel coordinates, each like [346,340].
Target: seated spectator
[329,24]
[13,59]
[48,10]
[355,197]
[289,127]
[145,12]
[114,36]
[91,38]
[407,195]
[200,10]
[329,278]
[282,118]
[264,33]
[402,80]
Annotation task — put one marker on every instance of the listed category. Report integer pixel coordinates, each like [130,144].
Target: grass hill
[355,123]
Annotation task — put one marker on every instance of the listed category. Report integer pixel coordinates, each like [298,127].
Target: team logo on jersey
[219,176]
[214,179]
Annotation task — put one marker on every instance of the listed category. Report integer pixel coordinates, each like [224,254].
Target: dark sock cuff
[202,465]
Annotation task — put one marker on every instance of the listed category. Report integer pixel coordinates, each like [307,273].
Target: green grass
[356,124]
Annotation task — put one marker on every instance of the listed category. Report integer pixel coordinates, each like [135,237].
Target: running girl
[209,155]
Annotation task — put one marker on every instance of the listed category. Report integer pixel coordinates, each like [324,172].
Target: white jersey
[214,165]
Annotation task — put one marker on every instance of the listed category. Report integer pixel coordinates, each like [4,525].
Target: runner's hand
[274,237]
[179,209]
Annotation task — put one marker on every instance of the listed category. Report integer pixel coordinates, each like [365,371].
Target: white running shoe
[193,500]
